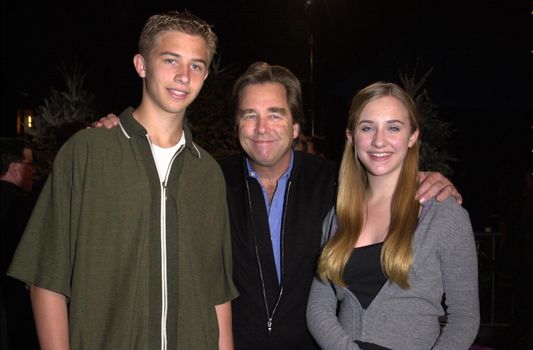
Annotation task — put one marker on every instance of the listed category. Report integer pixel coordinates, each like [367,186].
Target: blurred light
[24,120]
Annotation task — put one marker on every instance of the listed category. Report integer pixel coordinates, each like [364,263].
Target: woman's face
[382,136]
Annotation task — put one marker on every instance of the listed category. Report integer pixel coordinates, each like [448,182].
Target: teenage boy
[129,244]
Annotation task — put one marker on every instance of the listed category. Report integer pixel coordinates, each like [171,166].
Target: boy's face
[174,71]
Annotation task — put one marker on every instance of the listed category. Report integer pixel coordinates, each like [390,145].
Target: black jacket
[15,210]
[310,194]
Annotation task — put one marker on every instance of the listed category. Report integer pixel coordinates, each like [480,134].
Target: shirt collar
[253,174]
[130,127]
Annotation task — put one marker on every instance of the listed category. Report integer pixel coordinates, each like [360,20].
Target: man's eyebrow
[279,110]
[246,111]
[241,112]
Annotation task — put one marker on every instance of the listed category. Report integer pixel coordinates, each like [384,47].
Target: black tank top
[363,274]
[364,278]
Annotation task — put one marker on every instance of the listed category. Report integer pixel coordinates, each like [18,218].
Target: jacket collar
[295,163]
[131,127]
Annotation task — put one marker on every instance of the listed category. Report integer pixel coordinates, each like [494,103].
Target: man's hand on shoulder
[436,185]
[108,122]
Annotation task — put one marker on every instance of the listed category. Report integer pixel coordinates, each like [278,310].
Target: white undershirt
[163,156]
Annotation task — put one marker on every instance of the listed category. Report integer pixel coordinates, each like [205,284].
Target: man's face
[265,126]
[24,170]
[174,71]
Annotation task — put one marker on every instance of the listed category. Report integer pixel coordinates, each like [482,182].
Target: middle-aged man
[16,173]
[278,199]
[129,245]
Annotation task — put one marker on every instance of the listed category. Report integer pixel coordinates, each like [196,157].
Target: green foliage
[62,114]
[209,116]
[435,132]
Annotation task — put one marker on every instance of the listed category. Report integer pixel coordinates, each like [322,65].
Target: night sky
[480,52]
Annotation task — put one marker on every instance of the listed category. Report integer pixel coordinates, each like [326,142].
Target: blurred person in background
[16,177]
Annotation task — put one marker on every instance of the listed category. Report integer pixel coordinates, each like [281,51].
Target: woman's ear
[349,137]
[413,138]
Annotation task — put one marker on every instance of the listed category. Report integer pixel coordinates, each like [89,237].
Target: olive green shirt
[130,264]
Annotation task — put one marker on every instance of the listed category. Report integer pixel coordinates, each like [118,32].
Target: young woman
[383,274]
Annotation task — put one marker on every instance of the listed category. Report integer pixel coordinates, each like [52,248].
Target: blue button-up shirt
[275,210]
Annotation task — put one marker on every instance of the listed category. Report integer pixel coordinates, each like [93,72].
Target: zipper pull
[269,325]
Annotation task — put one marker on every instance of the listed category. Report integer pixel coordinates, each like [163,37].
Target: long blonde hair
[396,255]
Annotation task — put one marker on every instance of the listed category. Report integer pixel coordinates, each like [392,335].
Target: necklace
[269,315]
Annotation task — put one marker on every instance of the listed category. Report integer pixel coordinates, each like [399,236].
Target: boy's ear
[139,64]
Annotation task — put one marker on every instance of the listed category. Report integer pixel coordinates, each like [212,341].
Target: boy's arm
[436,185]
[51,318]
[225,330]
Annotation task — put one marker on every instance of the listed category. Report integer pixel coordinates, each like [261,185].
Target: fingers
[108,124]
[110,121]
[443,193]
[96,124]
[453,192]
[428,190]
[438,186]
[430,185]
[448,191]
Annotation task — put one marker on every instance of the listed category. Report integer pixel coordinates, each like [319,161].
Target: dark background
[480,52]
[482,83]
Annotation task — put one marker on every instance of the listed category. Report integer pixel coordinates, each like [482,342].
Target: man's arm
[108,122]
[51,318]
[225,330]
[436,185]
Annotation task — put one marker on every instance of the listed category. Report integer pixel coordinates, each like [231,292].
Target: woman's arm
[322,319]
[460,280]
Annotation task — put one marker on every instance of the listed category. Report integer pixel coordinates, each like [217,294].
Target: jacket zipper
[270,316]
[163,233]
